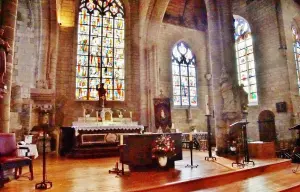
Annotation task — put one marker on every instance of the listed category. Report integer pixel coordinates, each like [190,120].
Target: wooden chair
[9,158]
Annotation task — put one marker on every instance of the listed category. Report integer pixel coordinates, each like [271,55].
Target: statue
[227,93]
[4,49]
[102,94]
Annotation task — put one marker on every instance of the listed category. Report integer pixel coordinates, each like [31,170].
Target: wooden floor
[81,175]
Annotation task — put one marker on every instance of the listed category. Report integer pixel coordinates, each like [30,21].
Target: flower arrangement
[163,146]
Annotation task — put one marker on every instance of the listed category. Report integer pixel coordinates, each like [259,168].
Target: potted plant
[162,149]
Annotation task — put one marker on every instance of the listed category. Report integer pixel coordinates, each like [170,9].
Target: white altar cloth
[32,150]
[107,127]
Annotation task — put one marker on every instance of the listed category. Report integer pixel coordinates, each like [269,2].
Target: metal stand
[44,184]
[237,163]
[116,169]
[246,151]
[191,150]
[209,140]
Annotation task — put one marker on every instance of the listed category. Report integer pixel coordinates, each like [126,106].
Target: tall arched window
[100,49]
[296,43]
[184,75]
[245,58]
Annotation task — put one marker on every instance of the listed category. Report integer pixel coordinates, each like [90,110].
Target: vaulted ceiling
[187,13]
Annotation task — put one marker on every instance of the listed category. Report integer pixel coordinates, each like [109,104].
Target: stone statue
[4,49]
[229,104]
[102,94]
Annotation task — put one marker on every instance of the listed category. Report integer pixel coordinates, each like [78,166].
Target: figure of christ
[102,94]
[4,49]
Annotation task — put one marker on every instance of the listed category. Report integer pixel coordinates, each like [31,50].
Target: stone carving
[229,105]
[42,84]
[235,99]
[4,49]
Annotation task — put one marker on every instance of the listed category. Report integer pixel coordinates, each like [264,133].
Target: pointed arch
[184,75]
[100,49]
[245,58]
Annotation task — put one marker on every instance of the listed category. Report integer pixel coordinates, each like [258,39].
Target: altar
[89,138]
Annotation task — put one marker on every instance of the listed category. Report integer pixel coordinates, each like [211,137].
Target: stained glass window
[245,58]
[100,49]
[296,43]
[184,76]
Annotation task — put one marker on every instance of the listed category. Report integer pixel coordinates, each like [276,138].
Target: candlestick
[121,139]
[83,112]
[191,137]
[130,114]
[206,105]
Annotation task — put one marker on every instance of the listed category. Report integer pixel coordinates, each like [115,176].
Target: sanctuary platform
[92,175]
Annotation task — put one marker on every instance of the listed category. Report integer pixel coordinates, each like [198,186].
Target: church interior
[149,95]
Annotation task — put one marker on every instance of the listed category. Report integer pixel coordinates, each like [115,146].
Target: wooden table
[138,150]
[262,150]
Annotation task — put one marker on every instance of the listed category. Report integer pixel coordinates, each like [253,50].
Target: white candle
[190,137]
[172,126]
[206,105]
[130,114]
[121,139]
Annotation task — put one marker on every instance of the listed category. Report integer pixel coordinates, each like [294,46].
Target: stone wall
[26,61]
[273,81]
[169,36]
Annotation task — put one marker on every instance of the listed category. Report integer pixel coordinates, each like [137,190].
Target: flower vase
[162,161]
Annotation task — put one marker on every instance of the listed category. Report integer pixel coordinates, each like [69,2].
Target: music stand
[243,126]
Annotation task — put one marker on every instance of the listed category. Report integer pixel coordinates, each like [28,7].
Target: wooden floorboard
[81,175]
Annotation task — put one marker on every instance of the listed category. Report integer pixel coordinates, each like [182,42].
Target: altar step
[257,178]
[94,151]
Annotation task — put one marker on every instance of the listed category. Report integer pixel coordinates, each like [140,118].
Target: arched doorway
[266,125]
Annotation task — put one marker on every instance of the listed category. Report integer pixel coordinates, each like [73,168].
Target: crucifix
[102,94]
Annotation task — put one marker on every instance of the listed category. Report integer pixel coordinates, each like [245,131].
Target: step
[222,179]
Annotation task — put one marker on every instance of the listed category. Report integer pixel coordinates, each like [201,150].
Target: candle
[190,137]
[121,139]
[84,112]
[206,105]
[172,126]
[130,114]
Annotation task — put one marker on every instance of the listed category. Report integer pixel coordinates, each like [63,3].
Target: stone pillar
[221,56]
[9,16]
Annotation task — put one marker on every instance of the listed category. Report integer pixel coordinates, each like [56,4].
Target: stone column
[221,56]
[9,16]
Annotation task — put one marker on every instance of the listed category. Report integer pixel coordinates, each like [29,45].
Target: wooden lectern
[242,125]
